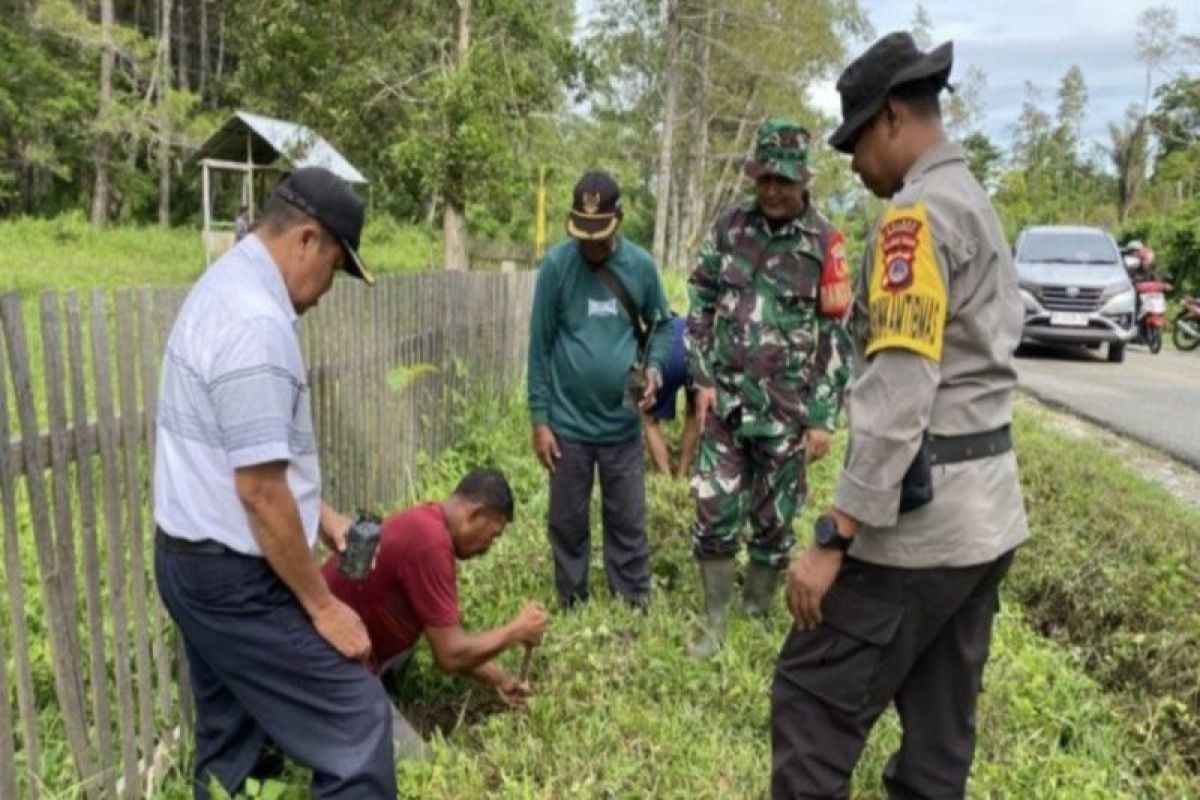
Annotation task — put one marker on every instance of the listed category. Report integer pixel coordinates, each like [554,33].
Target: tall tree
[762,57]
[1129,151]
[673,77]
[103,141]
[964,107]
[1067,167]
[983,156]
[1157,42]
[454,215]
[182,78]
[1072,103]
[704,15]
[205,56]
[162,89]
[922,27]
[1030,134]
[1176,119]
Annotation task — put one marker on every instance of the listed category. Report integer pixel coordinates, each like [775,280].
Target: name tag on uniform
[906,296]
[602,308]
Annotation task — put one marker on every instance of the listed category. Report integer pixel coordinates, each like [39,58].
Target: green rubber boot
[759,592]
[716,578]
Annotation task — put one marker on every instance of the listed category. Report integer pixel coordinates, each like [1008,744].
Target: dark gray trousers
[918,637]
[261,672]
[623,507]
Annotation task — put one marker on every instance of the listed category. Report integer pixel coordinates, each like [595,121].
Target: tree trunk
[464,32]
[220,46]
[666,145]
[727,184]
[454,215]
[675,238]
[693,225]
[204,59]
[164,119]
[454,232]
[183,79]
[103,144]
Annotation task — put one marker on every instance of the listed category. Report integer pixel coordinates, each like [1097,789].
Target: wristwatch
[825,534]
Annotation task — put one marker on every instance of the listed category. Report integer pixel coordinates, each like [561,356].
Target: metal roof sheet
[273,139]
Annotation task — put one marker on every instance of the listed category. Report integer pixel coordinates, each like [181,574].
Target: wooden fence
[500,256]
[85,647]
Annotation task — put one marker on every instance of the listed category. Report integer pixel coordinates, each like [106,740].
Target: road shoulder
[1176,477]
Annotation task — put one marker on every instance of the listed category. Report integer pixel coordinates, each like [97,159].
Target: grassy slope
[66,253]
[622,712]
[1116,579]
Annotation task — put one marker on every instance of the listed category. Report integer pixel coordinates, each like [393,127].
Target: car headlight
[1029,297]
[1119,302]
[1115,290]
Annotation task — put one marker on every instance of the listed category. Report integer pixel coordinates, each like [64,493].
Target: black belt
[954,449]
[204,547]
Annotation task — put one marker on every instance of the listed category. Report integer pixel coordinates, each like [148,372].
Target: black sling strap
[615,286]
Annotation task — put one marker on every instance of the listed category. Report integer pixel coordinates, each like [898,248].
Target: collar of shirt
[934,157]
[805,223]
[268,272]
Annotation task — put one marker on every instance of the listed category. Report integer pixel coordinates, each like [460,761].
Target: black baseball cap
[327,198]
[596,207]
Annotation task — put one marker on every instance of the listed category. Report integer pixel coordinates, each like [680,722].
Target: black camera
[362,542]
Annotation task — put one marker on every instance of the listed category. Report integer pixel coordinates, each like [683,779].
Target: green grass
[620,711]
[67,253]
[1114,577]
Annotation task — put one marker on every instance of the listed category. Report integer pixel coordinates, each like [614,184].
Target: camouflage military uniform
[755,334]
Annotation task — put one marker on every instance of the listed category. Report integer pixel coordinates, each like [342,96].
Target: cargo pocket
[797,278]
[839,660]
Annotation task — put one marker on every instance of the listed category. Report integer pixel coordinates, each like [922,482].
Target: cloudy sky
[1014,41]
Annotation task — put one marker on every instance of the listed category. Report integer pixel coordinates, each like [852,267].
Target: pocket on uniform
[839,660]
[734,274]
[796,277]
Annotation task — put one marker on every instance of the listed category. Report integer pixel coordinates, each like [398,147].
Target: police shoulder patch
[907,295]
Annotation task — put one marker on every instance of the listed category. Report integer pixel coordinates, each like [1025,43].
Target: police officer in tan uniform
[895,597]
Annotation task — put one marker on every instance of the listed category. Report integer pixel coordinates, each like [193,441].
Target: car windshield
[1067,248]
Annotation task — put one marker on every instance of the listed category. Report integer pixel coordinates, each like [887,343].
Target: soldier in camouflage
[769,298]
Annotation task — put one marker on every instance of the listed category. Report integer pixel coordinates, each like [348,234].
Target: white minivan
[1075,288]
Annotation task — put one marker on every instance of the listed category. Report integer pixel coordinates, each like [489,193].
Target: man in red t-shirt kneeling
[413,589]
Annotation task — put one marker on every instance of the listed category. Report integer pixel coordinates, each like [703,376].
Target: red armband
[836,291]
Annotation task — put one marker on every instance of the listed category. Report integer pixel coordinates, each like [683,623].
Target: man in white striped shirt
[275,658]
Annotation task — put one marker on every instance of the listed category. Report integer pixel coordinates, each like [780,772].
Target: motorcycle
[1152,310]
[1186,326]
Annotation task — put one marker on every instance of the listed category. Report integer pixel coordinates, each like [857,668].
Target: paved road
[1154,399]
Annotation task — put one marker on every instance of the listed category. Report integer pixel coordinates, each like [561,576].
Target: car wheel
[1116,352]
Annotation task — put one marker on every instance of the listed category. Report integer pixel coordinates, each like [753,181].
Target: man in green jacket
[594,331]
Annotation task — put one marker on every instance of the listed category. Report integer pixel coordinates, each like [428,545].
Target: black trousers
[261,672]
[916,637]
[623,506]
